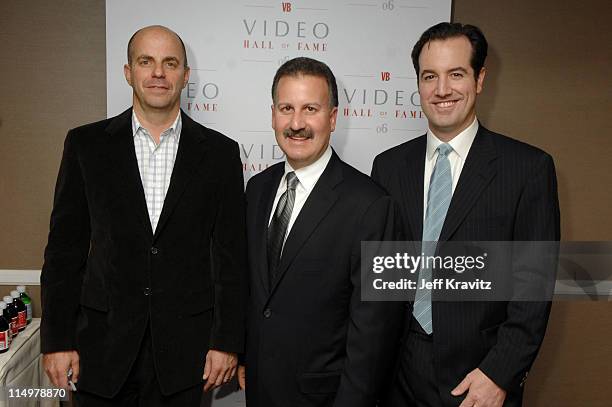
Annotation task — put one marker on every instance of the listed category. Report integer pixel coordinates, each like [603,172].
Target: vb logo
[385,76]
[286,7]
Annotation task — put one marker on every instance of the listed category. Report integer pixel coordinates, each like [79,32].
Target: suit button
[147,291]
[154,250]
[267,313]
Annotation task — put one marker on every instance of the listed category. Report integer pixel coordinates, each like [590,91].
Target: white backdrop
[235,47]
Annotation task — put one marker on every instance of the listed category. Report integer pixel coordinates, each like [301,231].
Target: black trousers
[142,388]
[415,384]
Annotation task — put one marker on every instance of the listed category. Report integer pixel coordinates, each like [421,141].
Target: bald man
[143,280]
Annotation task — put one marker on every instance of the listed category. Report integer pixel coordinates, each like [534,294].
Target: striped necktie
[438,201]
[278,226]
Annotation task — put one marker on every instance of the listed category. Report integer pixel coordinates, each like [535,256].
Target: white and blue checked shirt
[155,163]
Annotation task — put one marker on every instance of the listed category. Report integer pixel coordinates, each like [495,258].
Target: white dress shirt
[307,178]
[155,163]
[461,145]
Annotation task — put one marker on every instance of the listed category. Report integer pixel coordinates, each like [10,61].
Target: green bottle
[26,300]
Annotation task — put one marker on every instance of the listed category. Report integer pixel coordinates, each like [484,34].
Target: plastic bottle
[5,330]
[26,300]
[7,317]
[11,315]
[22,321]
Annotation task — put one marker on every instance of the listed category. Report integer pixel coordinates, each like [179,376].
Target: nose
[443,87]
[158,71]
[297,121]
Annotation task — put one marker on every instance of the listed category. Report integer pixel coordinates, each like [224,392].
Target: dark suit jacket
[107,275]
[507,191]
[311,341]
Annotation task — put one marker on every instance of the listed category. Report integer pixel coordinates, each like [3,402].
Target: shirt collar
[174,129]
[309,175]
[461,143]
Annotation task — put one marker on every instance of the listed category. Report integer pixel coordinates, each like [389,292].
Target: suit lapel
[191,151]
[319,202]
[264,207]
[412,186]
[475,176]
[125,163]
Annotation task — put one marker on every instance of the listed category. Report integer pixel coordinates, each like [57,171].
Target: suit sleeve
[242,356]
[65,255]
[229,261]
[374,327]
[520,336]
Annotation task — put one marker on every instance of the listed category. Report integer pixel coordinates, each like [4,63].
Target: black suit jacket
[507,191]
[106,275]
[311,341]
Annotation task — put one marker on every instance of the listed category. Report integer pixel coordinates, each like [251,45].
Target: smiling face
[302,118]
[448,87]
[157,72]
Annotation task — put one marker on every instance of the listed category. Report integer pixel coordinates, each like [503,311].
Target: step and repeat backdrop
[234,48]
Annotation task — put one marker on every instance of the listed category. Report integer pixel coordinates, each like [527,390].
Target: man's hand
[483,392]
[57,364]
[242,377]
[220,367]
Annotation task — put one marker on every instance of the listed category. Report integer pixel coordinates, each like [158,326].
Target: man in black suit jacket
[311,341]
[142,300]
[468,353]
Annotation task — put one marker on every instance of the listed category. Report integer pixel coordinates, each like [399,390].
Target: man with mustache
[461,182]
[143,283]
[311,341]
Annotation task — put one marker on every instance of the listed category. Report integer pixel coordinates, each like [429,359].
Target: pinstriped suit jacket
[507,191]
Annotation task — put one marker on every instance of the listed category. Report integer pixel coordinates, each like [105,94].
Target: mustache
[302,133]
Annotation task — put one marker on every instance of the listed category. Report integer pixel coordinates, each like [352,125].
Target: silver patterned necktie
[278,226]
[438,201]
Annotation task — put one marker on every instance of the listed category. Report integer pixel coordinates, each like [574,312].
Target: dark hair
[129,47]
[443,31]
[307,66]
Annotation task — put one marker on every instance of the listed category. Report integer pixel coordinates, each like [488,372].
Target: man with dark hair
[307,66]
[311,341]
[462,182]
[143,283]
[445,31]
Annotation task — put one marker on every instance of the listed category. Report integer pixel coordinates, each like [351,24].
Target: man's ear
[333,116]
[480,79]
[186,76]
[127,71]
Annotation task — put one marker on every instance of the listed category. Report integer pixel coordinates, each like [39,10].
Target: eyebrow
[144,56]
[459,68]
[426,71]
[282,104]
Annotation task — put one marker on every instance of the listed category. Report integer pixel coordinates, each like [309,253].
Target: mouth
[445,104]
[157,87]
